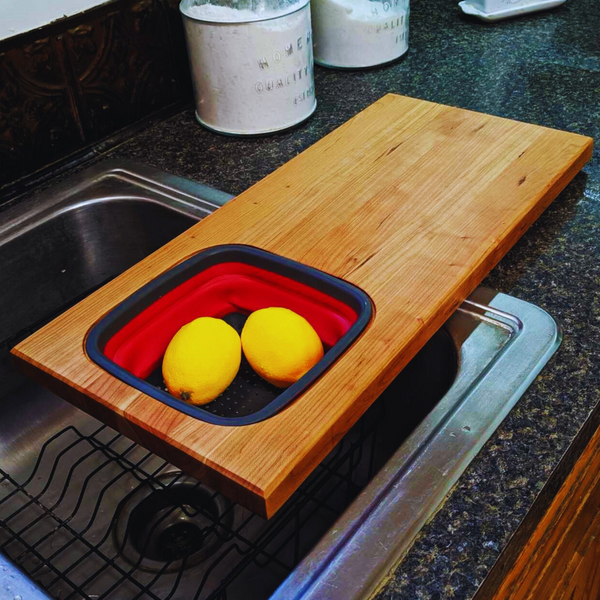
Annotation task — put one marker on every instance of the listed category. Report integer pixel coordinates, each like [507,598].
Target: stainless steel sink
[86,513]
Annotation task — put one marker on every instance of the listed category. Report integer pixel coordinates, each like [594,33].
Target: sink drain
[184,521]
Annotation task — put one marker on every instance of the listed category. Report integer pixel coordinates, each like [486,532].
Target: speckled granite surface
[543,69]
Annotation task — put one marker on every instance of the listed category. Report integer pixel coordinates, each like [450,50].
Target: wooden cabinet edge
[545,560]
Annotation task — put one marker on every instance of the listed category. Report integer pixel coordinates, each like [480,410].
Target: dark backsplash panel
[66,86]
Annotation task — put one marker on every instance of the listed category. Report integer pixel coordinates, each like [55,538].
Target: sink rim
[391,511]
[181,195]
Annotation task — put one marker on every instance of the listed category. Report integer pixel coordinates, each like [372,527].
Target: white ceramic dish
[496,10]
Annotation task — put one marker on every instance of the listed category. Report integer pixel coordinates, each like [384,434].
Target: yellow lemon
[280,345]
[201,360]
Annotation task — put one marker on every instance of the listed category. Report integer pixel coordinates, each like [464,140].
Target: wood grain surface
[561,559]
[413,201]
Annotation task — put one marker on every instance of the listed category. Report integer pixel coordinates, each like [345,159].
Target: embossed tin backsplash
[73,83]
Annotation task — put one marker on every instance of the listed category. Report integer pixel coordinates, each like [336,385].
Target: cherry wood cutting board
[413,201]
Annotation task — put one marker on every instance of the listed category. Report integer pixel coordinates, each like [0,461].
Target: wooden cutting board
[412,201]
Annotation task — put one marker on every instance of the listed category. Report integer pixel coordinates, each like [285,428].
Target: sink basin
[87,513]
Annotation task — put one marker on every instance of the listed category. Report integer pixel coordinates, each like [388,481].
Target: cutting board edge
[393,95]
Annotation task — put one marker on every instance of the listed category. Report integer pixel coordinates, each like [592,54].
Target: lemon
[280,345]
[201,360]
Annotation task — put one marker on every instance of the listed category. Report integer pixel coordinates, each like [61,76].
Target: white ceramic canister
[359,33]
[251,63]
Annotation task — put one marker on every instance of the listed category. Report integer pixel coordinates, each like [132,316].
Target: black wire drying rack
[49,522]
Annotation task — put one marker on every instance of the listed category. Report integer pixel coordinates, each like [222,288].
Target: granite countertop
[542,69]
